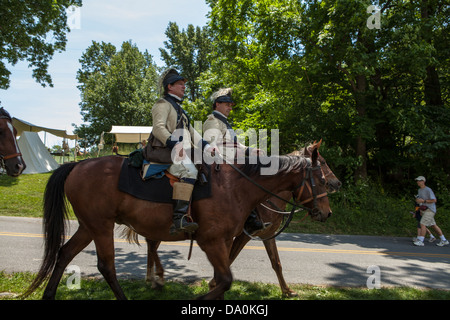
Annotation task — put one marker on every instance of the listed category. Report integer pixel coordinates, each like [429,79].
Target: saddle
[158,189]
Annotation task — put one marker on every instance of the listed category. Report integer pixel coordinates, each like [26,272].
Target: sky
[141,21]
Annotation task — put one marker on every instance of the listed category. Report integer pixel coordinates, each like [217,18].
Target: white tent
[36,156]
[22,126]
[131,134]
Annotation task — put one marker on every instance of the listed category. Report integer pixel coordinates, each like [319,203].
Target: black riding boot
[254,224]
[180,222]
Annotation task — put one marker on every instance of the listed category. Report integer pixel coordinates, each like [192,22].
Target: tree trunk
[361,152]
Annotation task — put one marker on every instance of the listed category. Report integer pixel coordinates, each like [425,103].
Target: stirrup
[183,225]
[265,226]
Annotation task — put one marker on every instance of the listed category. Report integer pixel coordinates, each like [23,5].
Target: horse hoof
[290,294]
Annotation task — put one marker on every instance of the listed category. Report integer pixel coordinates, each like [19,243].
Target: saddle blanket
[155,190]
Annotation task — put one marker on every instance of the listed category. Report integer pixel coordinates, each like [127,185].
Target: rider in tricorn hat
[167,114]
[219,132]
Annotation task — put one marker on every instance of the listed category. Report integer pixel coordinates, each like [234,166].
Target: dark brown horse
[10,156]
[271,211]
[91,188]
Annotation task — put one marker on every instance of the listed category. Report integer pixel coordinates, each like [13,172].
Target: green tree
[314,69]
[117,87]
[32,31]
[187,51]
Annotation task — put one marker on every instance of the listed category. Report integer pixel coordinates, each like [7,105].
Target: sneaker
[432,239]
[442,243]
[418,243]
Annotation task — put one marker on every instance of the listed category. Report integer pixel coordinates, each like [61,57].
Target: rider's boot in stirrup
[254,223]
[182,194]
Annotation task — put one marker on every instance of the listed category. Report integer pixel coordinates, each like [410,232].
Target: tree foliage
[378,97]
[32,31]
[187,51]
[117,87]
[314,69]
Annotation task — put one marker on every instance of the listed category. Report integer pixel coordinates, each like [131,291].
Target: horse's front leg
[218,255]
[238,244]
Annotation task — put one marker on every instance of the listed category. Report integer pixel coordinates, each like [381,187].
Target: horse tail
[55,212]
[130,235]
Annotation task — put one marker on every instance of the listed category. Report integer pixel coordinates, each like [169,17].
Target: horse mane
[5,114]
[286,163]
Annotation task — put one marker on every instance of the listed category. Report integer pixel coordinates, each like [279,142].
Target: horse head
[317,181]
[10,156]
[332,182]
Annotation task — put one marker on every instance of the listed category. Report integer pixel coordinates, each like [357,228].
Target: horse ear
[318,143]
[315,156]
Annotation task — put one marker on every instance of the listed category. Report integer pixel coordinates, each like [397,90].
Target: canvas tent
[36,156]
[22,126]
[130,134]
[34,153]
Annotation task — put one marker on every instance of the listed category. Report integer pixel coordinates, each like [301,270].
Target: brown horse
[271,212]
[10,156]
[91,188]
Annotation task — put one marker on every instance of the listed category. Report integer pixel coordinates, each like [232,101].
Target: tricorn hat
[222,95]
[169,76]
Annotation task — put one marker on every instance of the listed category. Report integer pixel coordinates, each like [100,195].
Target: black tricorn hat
[222,95]
[171,76]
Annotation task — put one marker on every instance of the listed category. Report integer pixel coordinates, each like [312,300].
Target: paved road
[336,260]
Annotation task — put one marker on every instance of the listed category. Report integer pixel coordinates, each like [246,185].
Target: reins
[264,189]
[295,205]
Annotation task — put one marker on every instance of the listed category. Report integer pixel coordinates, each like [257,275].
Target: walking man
[427,200]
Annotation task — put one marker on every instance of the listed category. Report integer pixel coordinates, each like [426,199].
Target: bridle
[9,156]
[308,181]
[311,186]
[308,177]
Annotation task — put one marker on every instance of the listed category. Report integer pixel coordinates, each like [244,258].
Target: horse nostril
[19,168]
[330,213]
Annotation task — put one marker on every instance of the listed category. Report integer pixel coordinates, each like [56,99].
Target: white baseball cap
[419,178]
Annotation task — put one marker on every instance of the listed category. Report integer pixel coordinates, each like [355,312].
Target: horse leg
[238,244]
[68,251]
[155,270]
[272,252]
[218,256]
[104,244]
[150,261]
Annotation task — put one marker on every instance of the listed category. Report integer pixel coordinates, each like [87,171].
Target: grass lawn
[22,196]
[12,285]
